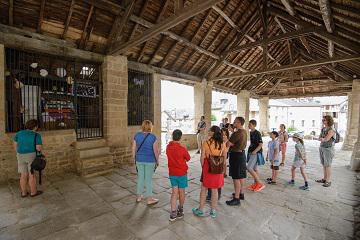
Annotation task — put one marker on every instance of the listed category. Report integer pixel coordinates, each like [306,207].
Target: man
[201,134]
[237,160]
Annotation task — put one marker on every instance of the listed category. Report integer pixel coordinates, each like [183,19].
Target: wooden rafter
[119,24]
[178,5]
[314,94]
[83,34]
[143,8]
[89,29]
[66,25]
[328,21]
[11,12]
[164,25]
[293,66]
[41,16]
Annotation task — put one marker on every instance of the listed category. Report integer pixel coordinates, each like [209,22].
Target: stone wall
[353,117]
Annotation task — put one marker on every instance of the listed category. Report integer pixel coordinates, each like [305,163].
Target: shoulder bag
[139,149]
[39,162]
[216,163]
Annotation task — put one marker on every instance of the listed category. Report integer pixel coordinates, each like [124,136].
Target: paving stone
[185,230]
[165,234]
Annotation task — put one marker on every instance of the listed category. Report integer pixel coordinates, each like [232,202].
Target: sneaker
[269,179]
[173,216]
[213,213]
[320,181]
[304,187]
[233,202]
[259,187]
[271,182]
[252,187]
[241,197]
[180,213]
[292,183]
[197,212]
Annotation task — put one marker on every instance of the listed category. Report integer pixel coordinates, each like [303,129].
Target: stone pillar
[203,101]
[157,106]
[264,115]
[243,105]
[355,158]
[353,117]
[2,90]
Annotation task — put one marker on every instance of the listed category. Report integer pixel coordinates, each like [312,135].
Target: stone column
[353,117]
[355,158]
[203,101]
[2,90]
[157,106]
[264,115]
[243,105]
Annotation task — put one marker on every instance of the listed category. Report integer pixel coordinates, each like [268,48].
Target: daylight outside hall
[179,119]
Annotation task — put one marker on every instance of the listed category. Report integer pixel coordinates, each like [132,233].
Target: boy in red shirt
[177,157]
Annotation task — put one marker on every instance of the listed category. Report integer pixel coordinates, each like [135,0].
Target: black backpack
[336,137]
[39,162]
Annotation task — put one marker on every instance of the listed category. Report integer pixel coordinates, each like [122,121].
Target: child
[177,157]
[299,161]
[273,156]
[254,149]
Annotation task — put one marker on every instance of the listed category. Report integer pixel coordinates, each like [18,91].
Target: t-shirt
[239,139]
[272,146]
[283,137]
[25,141]
[177,157]
[299,148]
[255,140]
[146,151]
[323,134]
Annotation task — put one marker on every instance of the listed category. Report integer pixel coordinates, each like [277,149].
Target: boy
[254,149]
[273,156]
[177,163]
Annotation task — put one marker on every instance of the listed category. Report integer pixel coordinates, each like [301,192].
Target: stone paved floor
[104,208]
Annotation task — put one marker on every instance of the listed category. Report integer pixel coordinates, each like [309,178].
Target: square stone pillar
[355,158]
[264,115]
[243,105]
[157,106]
[2,90]
[203,101]
[353,117]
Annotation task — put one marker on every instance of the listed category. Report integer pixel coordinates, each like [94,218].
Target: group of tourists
[221,147]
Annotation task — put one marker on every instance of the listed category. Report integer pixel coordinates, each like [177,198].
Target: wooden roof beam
[166,24]
[314,94]
[293,66]
[178,5]
[335,37]
[41,16]
[83,34]
[328,21]
[11,12]
[66,26]
[119,24]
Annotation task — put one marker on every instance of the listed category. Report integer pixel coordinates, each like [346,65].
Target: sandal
[139,199]
[36,194]
[327,184]
[152,201]
[281,164]
[320,181]
[272,182]
[25,195]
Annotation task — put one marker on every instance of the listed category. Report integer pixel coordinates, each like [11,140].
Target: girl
[299,161]
[283,139]
[273,156]
[214,146]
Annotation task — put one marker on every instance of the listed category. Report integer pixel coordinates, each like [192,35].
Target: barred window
[60,93]
[140,100]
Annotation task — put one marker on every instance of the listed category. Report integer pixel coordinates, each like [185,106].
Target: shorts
[237,165]
[24,161]
[179,181]
[326,156]
[275,165]
[283,148]
[252,162]
[298,164]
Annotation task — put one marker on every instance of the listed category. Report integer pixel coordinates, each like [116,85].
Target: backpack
[39,162]
[336,137]
[216,163]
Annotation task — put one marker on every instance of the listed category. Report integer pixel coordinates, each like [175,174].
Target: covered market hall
[90,72]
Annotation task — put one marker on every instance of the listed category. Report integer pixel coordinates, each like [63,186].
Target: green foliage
[213,118]
[291,129]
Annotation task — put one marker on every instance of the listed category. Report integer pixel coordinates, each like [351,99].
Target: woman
[26,143]
[214,146]
[327,152]
[146,155]
[283,139]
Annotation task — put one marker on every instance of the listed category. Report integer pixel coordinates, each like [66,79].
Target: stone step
[97,171]
[93,143]
[93,152]
[98,161]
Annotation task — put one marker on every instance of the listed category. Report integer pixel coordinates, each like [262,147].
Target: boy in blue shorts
[177,163]
[273,156]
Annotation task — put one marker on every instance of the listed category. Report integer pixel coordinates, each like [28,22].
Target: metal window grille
[60,93]
[140,100]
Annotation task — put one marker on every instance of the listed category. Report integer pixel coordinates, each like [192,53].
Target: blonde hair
[146,126]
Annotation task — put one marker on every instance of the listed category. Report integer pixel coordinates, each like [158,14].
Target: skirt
[209,180]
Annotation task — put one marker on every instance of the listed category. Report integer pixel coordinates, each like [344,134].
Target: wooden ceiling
[276,48]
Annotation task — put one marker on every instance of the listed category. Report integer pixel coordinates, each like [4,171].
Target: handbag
[39,162]
[216,163]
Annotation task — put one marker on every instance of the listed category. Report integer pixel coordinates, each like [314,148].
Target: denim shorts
[179,181]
